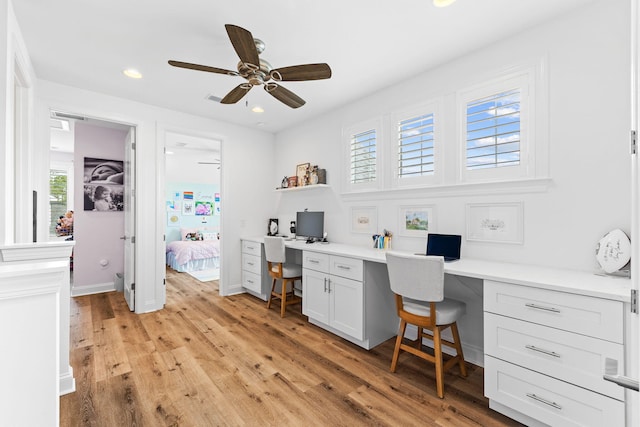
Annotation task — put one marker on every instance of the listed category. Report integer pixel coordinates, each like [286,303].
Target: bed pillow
[188,231]
[209,235]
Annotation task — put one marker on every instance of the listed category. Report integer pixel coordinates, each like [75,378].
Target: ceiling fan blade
[236,94]
[202,68]
[243,43]
[297,73]
[284,95]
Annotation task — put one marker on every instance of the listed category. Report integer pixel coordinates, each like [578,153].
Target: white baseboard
[98,288]
[67,382]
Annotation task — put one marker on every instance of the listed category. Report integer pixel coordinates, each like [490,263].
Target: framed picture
[416,221]
[495,222]
[301,172]
[364,220]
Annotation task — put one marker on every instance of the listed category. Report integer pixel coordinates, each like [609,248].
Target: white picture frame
[364,219]
[495,222]
[416,221]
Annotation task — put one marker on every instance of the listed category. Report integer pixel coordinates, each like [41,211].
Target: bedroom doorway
[193,205]
[86,155]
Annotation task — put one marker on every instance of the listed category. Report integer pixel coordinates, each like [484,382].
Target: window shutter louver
[416,146]
[363,157]
[493,131]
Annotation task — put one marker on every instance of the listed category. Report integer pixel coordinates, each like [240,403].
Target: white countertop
[557,279]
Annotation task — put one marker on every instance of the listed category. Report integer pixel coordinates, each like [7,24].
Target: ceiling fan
[258,72]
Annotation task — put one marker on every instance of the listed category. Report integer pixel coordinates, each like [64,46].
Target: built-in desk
[547,331]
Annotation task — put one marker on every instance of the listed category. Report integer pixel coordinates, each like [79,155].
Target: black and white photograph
[103,185]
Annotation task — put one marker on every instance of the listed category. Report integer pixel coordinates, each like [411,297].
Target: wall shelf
[303,188]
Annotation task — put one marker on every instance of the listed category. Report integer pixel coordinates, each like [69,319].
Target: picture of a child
[102,199]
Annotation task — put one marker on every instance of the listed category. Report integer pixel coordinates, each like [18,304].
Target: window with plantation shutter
[363,157]
[416,155]
[57,197]
[493,131]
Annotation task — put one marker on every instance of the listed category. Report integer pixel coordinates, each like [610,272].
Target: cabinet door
[315,295]
[347,302]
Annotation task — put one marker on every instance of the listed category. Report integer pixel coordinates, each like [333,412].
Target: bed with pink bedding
[193,255]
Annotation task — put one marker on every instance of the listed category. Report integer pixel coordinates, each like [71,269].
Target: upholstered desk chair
[418,284]
[282,271]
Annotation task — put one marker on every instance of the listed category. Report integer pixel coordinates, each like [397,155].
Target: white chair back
[417,277]
[274,249]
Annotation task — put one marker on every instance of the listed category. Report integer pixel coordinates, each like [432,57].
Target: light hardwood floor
[205,360]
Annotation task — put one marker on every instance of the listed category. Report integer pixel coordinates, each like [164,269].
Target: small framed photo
[416,221]
[301,173]
[495,222]
[364,219]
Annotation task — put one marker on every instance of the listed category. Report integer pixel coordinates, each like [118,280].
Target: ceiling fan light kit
[258,72]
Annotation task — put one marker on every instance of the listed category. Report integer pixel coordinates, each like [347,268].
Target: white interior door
[129,219]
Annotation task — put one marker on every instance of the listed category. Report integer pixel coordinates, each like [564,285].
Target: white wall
[247,157]
[587,54]
[97,234]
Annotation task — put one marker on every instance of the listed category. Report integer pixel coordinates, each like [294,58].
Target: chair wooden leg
[283,297]
[437,350]
[419,340]
[273,288]
[458,343]
[396,352]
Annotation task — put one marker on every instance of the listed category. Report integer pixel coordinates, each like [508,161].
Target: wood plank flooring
[205,360]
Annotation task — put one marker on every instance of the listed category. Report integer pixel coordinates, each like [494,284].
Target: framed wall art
[495,222]
[364,219]
[416,221]
[301,173]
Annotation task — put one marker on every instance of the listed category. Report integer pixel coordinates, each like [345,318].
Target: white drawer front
[251,248]
[548,400]
[315,261]
[251,281]
[596,317]
[251,263]
[575,358]
[349,268]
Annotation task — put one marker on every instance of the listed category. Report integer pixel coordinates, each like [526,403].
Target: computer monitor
[445,245]
[310,225]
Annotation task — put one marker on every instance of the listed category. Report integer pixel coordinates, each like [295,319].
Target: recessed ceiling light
[443,3]
[132,73]
[257,109]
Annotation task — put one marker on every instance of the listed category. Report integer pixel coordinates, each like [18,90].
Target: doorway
[87,157]
[193,205]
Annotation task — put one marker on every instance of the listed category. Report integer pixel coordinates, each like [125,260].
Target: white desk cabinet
[545,354]
[333,292]
[255,278]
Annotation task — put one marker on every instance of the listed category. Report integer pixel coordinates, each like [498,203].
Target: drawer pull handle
[249,281]
[325,284]
[545,401]
[315,261]
[344,267]
[250,247]
[542,350]
[540,307]
[329,285]
[250,263]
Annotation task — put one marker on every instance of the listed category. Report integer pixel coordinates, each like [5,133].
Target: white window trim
[525,81]
[347,132]
[431,107]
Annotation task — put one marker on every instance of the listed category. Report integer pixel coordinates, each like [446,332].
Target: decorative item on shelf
[273,227]
[293,181]
[382,241]
[313,175]
[302,172]
[292,229]
[285,182]
[322,176]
